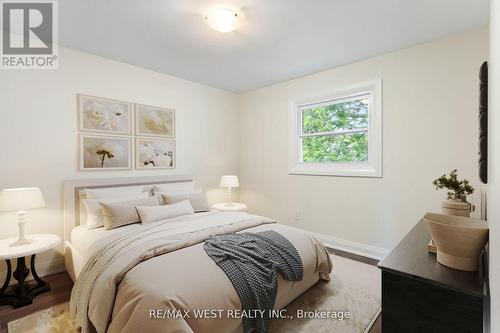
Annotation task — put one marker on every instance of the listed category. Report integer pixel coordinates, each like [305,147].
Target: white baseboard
[43,268]
[361,249]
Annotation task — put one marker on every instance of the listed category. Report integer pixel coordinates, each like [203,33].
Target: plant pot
[455,207]
[459,240]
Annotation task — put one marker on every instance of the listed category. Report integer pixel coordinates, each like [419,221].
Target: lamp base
[20,224]
[21,242]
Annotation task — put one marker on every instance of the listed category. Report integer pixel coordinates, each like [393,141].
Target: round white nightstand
[23,293]
[225,206]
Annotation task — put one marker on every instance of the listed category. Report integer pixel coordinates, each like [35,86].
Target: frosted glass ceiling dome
[222,19]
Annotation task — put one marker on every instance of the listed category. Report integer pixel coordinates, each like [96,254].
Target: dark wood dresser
[420,295]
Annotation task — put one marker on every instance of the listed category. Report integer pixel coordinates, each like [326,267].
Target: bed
[171,272]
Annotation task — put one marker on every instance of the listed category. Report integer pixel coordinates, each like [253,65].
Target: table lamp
[19,200]
[229,181]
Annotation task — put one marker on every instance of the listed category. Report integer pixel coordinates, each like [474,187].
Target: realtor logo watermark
[29,34]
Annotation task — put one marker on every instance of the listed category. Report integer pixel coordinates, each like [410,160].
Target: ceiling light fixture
[222,19]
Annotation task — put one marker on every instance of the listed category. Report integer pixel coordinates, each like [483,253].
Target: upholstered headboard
[73,190]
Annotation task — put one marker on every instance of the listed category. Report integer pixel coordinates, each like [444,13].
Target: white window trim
[373,167]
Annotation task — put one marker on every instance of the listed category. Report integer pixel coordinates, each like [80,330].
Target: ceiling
[278,39]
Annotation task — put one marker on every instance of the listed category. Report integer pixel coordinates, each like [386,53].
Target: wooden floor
[60,292]
[377,327]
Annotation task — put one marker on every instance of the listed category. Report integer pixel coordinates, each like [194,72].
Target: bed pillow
[174,187]
[94,209]
[150,214]
[198,199]
[118,214]
[113,192]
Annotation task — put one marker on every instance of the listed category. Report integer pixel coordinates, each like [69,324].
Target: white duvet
[86,242]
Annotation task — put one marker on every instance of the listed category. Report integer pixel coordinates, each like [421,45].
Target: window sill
[339,170]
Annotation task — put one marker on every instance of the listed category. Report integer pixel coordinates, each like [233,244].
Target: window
[338,135]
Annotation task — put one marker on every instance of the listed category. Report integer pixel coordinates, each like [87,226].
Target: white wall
[38,131]
[430,103]
[494,164]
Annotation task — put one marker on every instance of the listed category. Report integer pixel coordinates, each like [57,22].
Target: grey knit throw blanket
[251,261]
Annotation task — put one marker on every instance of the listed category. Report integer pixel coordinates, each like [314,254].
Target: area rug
[355,289]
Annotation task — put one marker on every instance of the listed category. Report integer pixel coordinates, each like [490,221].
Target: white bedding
[159,267]
[86,242]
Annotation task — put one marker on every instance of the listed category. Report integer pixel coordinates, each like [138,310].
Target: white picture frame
[153,121]
[104,115]
[154,153]
[104,152]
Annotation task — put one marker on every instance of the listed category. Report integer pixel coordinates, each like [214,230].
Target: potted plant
[456,204]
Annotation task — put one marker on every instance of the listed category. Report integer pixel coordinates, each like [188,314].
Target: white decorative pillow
[150,214]
[197,198]
[94,211]
[113,192]
[118,214]
[174,187]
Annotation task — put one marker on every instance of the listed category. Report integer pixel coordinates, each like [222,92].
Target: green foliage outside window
[340,148]
[349,147]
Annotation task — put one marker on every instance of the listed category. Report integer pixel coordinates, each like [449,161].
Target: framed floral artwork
[152,153]
[104,115]
[154,121]
[105,152]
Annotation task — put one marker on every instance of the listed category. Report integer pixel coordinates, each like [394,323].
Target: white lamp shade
[15,199]
[229,181]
